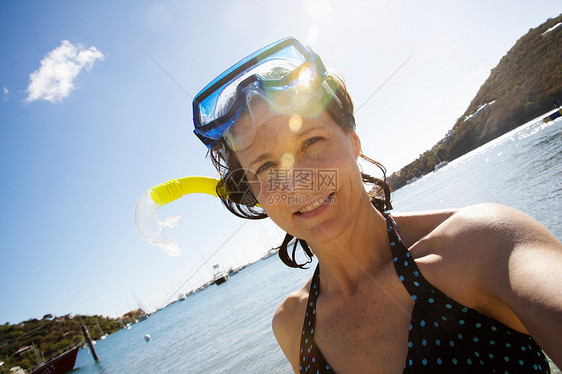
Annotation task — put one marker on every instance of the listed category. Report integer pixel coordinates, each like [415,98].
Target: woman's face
[304,173]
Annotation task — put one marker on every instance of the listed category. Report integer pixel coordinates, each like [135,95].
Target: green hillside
[21,344]
[521,87]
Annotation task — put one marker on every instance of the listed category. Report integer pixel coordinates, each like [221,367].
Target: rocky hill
[525,84]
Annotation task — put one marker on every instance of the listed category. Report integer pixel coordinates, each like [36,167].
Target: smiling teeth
[311,207]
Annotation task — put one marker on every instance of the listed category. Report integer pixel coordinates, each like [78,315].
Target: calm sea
[226,329]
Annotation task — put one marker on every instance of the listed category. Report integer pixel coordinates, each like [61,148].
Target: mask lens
[273,67]
[302,98]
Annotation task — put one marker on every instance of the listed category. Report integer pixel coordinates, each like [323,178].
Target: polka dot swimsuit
[444,337]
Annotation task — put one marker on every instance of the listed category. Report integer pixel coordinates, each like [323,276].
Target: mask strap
[221,149]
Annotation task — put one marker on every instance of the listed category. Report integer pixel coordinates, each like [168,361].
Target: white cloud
[6,92]
[54,80]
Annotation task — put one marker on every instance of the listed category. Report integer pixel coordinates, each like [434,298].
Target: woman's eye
[312,140]
[264,167]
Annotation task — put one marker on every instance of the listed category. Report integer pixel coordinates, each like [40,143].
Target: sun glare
[306,75]
[313,32]
[318,9]
[295,123]
[287,160]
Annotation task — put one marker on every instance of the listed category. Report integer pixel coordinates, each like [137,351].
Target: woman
[472,290]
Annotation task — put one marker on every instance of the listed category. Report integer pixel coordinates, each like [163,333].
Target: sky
[96,109]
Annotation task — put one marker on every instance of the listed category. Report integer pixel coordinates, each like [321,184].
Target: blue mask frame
[209,127]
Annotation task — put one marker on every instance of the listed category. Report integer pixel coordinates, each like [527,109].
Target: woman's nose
[294,175]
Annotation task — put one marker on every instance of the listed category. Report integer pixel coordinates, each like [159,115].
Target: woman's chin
[325,232]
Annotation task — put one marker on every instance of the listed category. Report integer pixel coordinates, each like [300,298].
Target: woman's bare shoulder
[505,222]
[290,309]
[494,222]
[491,247]
[476,239]
[287,323]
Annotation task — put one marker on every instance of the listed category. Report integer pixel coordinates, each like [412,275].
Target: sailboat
[103,335]
[59,364]
[414,179]
[441,162]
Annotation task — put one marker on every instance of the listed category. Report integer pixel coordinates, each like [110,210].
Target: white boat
[219,275]
[482,109]
[103,335]
[441,164]
[415,179]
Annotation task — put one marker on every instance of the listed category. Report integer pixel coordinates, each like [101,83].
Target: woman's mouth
[311,207]
[314,206]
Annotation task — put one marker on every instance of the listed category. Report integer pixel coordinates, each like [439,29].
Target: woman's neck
[363,247]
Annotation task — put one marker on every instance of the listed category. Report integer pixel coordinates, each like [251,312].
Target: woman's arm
[518,263]
[530,282]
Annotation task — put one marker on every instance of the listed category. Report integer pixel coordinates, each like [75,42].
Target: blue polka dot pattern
[444,336]
[311,358]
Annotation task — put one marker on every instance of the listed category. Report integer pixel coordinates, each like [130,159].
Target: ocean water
[521,169]
[223,329]
[227,328]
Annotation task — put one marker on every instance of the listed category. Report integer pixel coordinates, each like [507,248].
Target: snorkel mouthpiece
[147,223]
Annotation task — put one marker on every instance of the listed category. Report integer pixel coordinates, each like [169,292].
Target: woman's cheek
[268,196]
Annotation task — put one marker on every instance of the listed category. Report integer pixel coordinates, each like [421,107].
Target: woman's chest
[366,333]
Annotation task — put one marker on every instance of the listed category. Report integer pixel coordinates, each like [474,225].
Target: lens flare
[305,77]
[295,123]
[287,160]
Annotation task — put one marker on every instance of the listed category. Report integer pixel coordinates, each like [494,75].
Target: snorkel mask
[288,77]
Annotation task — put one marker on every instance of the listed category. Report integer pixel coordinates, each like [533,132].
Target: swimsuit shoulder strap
[405,266]
[311,359]
[310,316]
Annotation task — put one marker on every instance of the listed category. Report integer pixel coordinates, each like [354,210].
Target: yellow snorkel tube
[149,227]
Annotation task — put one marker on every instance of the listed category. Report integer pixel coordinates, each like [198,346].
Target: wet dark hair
[236,195]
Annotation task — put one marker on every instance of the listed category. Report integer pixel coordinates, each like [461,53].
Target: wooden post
[89,341]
